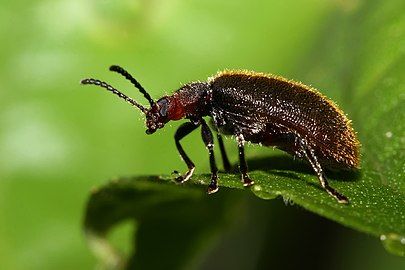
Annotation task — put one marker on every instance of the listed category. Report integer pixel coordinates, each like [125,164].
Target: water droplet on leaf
[394,243]
[258,191]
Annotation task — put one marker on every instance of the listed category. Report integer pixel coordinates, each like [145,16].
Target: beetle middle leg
[242,162]
[181,132]
[225,160]
[310,155]
[208,139]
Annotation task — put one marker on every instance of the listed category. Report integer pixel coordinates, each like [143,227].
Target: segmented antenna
[129,77]
[115,91]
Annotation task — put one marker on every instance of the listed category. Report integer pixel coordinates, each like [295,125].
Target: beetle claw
[183,178]
[247,182]
[180,179]
[212,189]
[175,174]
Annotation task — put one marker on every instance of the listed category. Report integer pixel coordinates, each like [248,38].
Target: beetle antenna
[115,91]
[129,77]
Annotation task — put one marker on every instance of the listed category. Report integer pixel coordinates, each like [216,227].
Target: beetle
[258,108]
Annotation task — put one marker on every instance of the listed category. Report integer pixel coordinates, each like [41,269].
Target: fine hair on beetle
[253,107]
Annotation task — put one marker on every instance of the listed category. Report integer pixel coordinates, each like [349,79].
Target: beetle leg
[242,162]
[208,139]
[181,132]
[225,160]
[310,155]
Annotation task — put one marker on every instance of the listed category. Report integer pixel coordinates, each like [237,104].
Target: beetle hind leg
[247,182]
[308,152]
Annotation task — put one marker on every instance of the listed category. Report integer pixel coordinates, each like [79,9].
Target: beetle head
[156,116]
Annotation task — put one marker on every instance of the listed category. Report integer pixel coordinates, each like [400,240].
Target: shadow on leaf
[173,221]
[282,164]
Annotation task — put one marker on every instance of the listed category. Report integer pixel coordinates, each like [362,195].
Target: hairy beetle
[254,107]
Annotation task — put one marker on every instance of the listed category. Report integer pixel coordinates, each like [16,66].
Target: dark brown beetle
[258,108]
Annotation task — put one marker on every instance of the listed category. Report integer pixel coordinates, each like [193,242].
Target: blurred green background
[59,139]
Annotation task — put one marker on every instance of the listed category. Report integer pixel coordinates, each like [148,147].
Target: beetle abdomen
[269,106]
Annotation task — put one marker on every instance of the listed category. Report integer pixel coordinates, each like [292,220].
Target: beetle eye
[163,107]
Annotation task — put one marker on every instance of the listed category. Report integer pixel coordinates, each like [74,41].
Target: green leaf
[171,221]
[365,74]
[367,68]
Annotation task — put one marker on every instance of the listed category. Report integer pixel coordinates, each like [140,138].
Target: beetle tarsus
[212,189]
[184,178]
[213,186]
[338,196]
[247,182]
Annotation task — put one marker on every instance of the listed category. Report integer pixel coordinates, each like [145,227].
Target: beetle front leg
[310,155]
[181,132]
[208,139]
[243,168]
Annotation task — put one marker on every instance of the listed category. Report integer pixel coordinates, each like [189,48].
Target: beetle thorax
[191,101]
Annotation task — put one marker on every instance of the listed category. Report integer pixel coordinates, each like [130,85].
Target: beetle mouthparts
[150,131]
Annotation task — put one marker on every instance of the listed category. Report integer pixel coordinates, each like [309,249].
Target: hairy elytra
[258,108]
